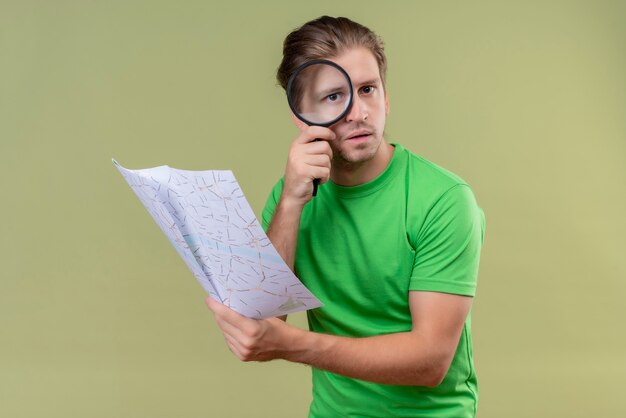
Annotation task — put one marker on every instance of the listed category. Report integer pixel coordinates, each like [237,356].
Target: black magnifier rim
[295,74]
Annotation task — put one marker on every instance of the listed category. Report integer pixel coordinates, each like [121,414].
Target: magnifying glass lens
[320,94]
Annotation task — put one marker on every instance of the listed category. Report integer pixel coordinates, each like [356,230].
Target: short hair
[328,37]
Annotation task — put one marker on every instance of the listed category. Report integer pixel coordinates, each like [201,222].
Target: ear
[301,125]
[386,104]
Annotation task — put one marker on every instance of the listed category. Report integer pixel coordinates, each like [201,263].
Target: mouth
[358,135]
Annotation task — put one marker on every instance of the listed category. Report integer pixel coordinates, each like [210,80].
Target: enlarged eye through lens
[319,92]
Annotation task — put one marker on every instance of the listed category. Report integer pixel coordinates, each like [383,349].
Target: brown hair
[328,37]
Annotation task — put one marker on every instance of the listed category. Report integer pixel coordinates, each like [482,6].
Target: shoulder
[422,170]
[427,182]
[434,193]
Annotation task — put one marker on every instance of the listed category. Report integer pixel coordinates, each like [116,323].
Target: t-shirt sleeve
[270,205]
[447,247]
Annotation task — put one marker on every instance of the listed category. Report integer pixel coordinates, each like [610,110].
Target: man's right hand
[308,160]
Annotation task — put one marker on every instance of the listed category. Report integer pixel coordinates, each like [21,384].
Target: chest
[355,256]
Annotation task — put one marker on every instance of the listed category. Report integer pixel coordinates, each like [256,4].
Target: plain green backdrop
[99,317]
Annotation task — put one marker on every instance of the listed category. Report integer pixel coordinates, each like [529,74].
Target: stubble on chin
[354,158]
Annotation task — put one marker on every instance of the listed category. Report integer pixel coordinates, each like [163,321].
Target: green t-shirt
[361,250]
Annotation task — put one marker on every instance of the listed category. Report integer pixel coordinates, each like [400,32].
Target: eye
[333,97]
[368,89]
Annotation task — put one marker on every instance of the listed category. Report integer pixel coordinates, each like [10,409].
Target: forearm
[283,230]
[308,159]
[420,357]
[406,358]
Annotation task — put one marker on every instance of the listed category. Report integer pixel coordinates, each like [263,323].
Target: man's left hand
[251,339]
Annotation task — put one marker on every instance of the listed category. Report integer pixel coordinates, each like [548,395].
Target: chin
[359,155]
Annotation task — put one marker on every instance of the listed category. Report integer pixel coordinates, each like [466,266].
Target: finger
[319,147]
[232,343]
[239,350]
[215,306]
[233,323]
[225,313]
[233,346]
[241,335]
[227,328]
[315,132]
[235,339]
[219,308]
[318,160]
[320,173]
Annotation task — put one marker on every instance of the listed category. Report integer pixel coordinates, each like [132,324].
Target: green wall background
[100,318]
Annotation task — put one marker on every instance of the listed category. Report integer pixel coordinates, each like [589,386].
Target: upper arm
[443,280]
[439,319]
[270,205]
[448,243]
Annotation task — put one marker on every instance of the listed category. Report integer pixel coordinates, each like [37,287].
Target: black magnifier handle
[316,182]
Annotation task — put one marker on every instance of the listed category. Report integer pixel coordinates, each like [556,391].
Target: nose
[358,111]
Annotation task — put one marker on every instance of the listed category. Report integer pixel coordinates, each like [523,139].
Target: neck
[346,173]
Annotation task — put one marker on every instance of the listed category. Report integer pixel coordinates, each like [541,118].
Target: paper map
[207,218]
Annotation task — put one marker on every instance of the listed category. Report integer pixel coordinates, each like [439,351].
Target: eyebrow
[375,81]
[331,90]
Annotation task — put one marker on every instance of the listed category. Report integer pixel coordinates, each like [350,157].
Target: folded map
[207,218]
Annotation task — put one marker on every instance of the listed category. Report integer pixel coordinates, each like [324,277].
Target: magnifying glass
[319,93]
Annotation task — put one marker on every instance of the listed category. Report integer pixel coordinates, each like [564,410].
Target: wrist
[305,347]
[291,206]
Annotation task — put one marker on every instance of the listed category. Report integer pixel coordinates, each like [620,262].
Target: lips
[360,134]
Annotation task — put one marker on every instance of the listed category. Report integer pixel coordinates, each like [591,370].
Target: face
[360,132]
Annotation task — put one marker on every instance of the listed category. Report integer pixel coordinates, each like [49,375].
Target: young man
[390,245]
